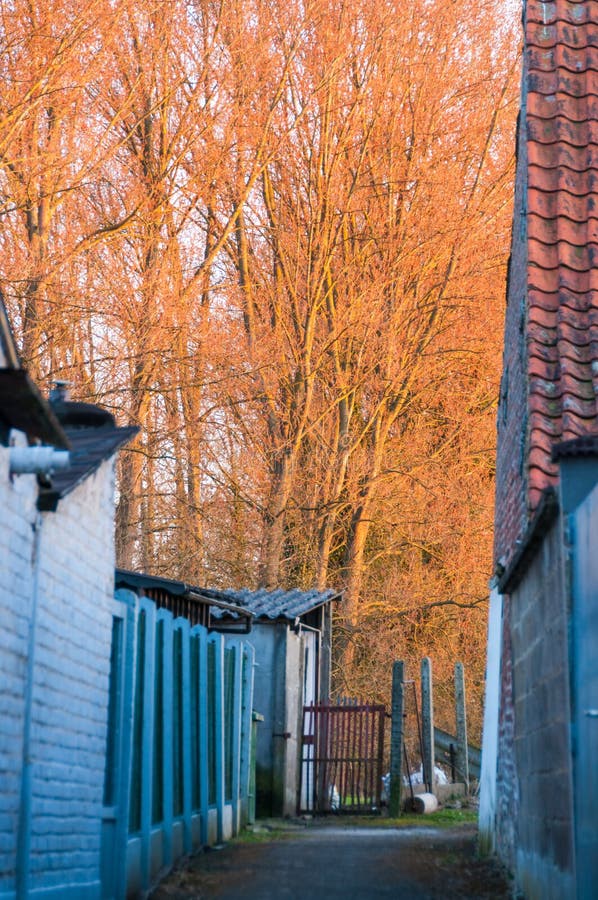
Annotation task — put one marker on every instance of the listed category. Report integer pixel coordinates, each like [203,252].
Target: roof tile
[561,78]
[575,11]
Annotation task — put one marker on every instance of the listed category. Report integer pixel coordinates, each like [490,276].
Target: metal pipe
[24,824]
[299,627]
[37,460]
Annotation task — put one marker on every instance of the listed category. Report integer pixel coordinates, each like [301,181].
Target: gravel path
[327,862]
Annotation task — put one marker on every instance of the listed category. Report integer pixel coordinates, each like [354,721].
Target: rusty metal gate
[342,758]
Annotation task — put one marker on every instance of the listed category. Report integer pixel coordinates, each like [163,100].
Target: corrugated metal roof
[140,580]
[279,604]
[134,580]
[561,83]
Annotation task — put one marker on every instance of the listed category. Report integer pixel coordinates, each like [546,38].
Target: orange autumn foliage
[274,235]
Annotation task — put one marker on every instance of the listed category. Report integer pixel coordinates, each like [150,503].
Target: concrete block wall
[70,686]
[537,808]
[507,783]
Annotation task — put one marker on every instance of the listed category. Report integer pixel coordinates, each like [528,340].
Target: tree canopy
[274,235]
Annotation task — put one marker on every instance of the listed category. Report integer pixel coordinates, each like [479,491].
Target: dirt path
[340,863]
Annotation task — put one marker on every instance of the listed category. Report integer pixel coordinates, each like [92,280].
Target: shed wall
[293,721]
[278,696]
[269,643]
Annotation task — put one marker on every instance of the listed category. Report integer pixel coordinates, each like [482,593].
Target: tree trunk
[273,542]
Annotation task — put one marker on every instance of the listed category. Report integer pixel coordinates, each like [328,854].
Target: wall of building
[17,514]
[507,783]
[268,641]
[534,781]
[487,809]
[278,697]
[72,552]
[512,424]
[584,651]
[293,721]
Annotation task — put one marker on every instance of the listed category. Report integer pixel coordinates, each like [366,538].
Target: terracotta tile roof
[561,84]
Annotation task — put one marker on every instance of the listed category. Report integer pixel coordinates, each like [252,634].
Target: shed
[292,637]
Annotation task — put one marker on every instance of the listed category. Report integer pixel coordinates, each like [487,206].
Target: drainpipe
[24,826]
[318,632]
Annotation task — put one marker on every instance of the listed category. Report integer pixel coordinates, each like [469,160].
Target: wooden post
[427,723]
[461,718]
[396,739]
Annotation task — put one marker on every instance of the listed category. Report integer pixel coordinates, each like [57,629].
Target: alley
[340,863]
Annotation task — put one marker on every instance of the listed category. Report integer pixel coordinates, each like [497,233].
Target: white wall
[70,681]
[17,513]
[487,813]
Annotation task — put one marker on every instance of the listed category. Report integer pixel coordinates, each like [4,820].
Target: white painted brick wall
[17,513]
[71,674]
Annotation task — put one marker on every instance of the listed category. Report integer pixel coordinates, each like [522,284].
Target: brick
[72,669]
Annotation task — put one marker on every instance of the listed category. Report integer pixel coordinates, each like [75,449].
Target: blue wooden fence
[178,751]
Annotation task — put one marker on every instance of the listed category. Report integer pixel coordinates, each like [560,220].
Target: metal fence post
[461,718]
[396,738]
[427,723]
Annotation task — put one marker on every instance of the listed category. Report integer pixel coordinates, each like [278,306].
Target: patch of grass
[442,818]
[262,835]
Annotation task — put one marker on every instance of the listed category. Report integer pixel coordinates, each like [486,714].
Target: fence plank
[237,733]
[204,782]
[183,626]
[396,738]
[114,850]
[147,739]
[427,722]
[247,663]
[218,713]
[461,721]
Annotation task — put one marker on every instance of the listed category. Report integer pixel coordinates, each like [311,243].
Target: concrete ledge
[90,890]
